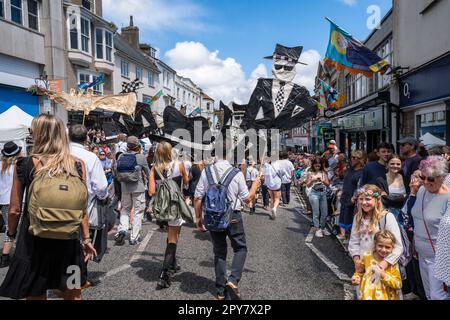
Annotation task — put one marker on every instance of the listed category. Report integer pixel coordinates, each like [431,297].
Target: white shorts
[177,223]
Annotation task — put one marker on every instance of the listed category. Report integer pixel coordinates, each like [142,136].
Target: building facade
[424,55]
[22,53]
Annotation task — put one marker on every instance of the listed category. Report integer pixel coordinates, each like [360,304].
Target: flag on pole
[330,98]
[157,97]
[347,53]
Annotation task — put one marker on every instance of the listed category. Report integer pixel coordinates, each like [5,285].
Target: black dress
[351,180]
[39,264]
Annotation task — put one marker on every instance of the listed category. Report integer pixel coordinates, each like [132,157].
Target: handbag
[98,212]
[445,287]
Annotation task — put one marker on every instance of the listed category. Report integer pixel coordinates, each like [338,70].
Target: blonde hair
[8,162]
[362,155]
[51,146]
[378,212]
[163,156]
[122,137]
[386,234]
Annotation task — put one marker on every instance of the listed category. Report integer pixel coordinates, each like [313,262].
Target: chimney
[131,34]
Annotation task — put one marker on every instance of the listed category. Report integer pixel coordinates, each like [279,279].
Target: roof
[206,97]
[122,46]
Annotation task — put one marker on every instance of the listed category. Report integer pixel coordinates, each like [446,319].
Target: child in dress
[376,283]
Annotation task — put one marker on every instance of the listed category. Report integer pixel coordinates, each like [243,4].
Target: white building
[166,84]
[188,95]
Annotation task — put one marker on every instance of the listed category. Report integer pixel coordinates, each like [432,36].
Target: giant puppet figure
[279,103]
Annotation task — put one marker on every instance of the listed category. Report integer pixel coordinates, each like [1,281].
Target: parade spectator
[370,219]
[107,166]
[394,187]
[349,192]
[374,170]
[272,180]
[238,194]
[40,264]
[442,261]
[121,145]
[373,156]
[430,206]
[251,176]
[133,191]
[194,177]
[286,171]
[376,283]
[422,151]
[408,149]
[10,153]
[167,167]
[318,181]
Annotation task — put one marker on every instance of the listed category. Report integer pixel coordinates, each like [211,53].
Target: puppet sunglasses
[286,68]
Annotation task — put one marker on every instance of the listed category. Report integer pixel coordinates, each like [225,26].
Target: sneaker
[326,232]
[135,242]
[274,214]
[340,237]
[319,233]
[120,238]
[233,291]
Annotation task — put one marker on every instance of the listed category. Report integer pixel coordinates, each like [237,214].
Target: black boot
[164,278]
[5,260]
[174,268]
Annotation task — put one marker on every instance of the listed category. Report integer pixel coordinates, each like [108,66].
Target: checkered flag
[131,86]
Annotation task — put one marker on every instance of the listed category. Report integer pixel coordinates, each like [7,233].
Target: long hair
[317,160]
[8,162]
[378,212]
[163,156]
[51,145]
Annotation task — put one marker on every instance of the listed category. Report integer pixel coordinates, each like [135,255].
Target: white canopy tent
[430,140]
[14,125]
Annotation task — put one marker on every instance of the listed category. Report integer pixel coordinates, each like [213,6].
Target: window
[16,11]
[152,52]
[109,45]
[73,21]
[87,78]
[2,9]
[124,69]
[151,79]
[104,44]
[85,35]
[349,89]
[385,52]
[33,15]
[139,73]
[178,93]
[99,43]
[87,4]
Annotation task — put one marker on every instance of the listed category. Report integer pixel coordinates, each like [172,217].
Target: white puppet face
[284,70]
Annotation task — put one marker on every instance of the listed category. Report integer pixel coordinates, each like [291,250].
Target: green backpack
[56,206]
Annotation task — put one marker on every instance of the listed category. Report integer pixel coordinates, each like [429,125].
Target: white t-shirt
[271,179]
[285,169]
[252,174]
[237,191]
[6,182]
[121,147]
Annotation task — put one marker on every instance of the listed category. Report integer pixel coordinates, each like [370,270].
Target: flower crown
[370,193]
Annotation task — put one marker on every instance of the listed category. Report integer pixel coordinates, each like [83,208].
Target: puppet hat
[285,53]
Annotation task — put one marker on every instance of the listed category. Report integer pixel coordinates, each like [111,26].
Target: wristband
[87,241]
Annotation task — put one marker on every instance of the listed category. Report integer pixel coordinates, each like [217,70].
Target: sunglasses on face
[286,68]
[358,158]
[429,179]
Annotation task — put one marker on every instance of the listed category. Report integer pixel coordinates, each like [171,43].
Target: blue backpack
[128,170]
[218,210]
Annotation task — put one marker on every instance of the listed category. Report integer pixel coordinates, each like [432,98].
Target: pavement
[285,262]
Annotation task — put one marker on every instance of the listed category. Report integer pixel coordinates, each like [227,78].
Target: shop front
[425,100]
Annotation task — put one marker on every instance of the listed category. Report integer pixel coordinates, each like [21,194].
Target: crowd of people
[390,208]
[393,211]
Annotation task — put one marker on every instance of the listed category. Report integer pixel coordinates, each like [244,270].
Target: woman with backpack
[48,255]
[166,168]
[10,153]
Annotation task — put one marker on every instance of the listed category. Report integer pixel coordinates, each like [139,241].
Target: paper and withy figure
[279,103]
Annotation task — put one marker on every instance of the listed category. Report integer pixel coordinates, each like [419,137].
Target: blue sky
[244,30]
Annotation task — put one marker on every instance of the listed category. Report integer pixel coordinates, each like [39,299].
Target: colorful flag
[330,98]
[97,81]
[347,53]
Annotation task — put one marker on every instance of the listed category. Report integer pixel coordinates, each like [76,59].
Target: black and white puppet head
[285,59]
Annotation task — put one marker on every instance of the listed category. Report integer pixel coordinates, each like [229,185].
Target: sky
[220,44]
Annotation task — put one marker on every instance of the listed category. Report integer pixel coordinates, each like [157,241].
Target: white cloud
[224,79]
[349,2]
[155,15]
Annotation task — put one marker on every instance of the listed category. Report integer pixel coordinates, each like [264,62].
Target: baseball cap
[333,142]
[133,142]
[410,140]
[102,152]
